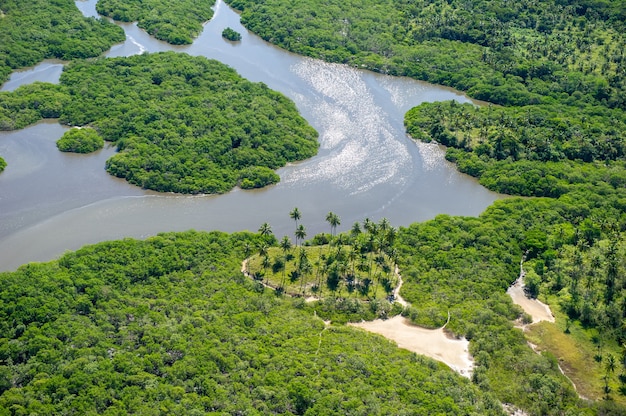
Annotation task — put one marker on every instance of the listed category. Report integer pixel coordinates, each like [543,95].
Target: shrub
[83,140]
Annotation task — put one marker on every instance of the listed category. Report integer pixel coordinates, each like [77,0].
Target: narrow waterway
[51,202]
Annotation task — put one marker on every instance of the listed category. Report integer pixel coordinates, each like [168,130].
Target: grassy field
[582,355]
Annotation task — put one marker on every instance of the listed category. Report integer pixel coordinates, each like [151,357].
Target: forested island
[80,140]
[231,35]
[181,124]
[172,325]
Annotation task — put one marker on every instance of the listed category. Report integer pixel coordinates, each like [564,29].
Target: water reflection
[366,166]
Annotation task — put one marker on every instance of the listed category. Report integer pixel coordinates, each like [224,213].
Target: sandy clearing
[433,343]
[538,310]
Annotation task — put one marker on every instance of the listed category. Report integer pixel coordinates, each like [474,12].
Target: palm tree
[304,267]
[263,249]
[295,215]
[339,244]
[353,254]
[247,249]
[393,259]
[391,235]
[266,264]
[300,233]
[265,230]
[368,225]
[285,245]
[334,221]
[384,225]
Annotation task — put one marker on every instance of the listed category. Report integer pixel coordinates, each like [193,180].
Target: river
[51,202]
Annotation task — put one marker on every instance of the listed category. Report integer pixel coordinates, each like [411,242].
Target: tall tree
[266,263]
[304,268]
[356,229]
[247,249]
[265,230]
[285,245]
[300,233]
[295,215]
[263,252]
[334,221]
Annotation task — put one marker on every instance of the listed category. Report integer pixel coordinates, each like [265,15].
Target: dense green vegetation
[257,177]
[558,69]
[85,140]
[557,65]
[29,104]
[3,164]
[39,29]
[231,34]
[531,150]
[170,325]
[515,53]
[183,124]
[174,21]
[574,253]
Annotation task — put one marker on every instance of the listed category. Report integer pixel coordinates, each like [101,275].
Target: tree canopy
[41,29]
[231,34]
[170,325]
[557,66]
[84,140]
[174,21]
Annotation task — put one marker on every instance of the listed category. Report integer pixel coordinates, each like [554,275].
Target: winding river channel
[51,202]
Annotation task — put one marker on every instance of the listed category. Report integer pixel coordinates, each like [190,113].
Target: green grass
[575,352]
[314,282]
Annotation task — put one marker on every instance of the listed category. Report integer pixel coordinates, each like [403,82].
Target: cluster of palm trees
[359,262]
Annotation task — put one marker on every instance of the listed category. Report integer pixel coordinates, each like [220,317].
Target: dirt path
[538,310]
[396,292]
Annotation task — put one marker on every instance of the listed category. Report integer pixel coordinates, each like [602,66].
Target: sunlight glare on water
[355,128]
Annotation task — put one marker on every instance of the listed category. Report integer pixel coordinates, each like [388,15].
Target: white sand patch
[513,411]
[538,310]
[433,343]
[396,292]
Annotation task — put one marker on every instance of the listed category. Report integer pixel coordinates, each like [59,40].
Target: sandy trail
[433,343]
[538,310]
